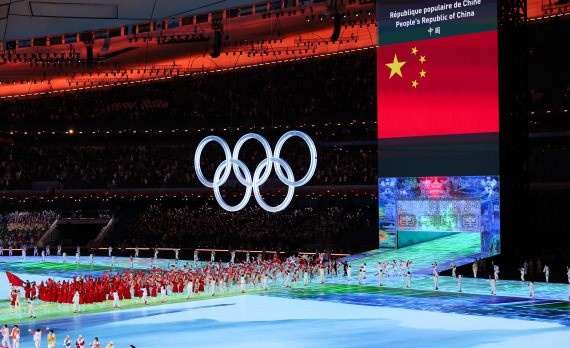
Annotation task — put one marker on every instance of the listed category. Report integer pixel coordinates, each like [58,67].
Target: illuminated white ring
[312,166]
[198,155]
[232,162]
[219,183]
[268,154]
[290,188]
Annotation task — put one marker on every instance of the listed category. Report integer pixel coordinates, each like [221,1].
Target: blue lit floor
[336,314]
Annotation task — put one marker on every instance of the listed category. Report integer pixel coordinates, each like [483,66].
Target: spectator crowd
[24,227]
[168,166]
[210,226]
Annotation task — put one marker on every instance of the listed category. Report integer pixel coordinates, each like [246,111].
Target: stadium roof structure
[50,46]
[20,19]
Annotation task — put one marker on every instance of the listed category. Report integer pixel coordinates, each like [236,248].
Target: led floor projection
[339,313]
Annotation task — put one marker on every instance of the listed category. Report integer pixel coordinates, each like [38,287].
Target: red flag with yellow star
[440,86]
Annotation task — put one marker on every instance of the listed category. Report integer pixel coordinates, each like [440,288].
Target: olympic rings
[261,173]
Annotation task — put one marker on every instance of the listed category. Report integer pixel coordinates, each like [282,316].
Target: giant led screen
[418,209]
[438,117]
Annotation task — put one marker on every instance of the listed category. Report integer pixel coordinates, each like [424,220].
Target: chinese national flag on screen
[440,86]
[14,280]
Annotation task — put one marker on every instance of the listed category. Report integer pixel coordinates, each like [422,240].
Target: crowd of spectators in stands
[263,95]
[339,115]
[201,223]
[213,102]
[168,166]
[24,227]
[209,226]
